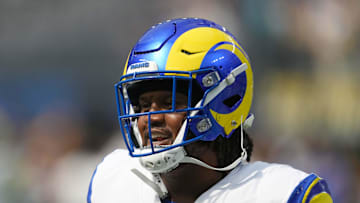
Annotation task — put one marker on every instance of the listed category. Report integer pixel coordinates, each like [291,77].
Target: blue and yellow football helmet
[199,58]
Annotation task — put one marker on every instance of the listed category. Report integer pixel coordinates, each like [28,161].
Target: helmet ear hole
[231,101]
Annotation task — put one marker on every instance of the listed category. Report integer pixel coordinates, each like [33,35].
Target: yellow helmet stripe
[203,39]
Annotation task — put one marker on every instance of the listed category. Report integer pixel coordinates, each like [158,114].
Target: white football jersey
[113,182]
[255,182]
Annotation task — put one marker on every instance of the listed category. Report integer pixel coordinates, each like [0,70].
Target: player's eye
[168,103]
[180,104]
[144,106]
[181,101]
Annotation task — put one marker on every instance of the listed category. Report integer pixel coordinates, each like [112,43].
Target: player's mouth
[160,138]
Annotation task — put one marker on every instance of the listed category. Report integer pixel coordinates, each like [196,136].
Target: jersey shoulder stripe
[311,190]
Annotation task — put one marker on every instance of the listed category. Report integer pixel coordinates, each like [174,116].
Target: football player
[184,106]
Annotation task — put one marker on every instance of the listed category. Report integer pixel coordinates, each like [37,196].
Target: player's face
[164,127]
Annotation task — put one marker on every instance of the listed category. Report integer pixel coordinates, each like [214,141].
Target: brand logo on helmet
[139,65]
[142,67]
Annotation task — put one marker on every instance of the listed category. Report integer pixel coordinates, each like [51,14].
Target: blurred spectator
[7,148]
[48,137]
[326,28]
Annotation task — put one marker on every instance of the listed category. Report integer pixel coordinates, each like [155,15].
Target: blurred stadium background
[60,59]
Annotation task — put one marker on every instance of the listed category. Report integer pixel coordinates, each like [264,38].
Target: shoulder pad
[311,190]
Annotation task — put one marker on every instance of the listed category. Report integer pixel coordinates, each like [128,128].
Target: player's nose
[156,117]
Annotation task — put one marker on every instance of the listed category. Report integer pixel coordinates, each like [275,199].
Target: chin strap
[231,166]
[158,185]
[179,154]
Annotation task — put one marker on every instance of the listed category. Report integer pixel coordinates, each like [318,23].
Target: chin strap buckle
[249,121]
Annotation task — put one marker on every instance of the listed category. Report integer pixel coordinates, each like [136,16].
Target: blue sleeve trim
[319,187]
[299,192]
[90,187]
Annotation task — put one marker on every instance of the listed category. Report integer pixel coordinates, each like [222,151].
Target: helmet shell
[191,45]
